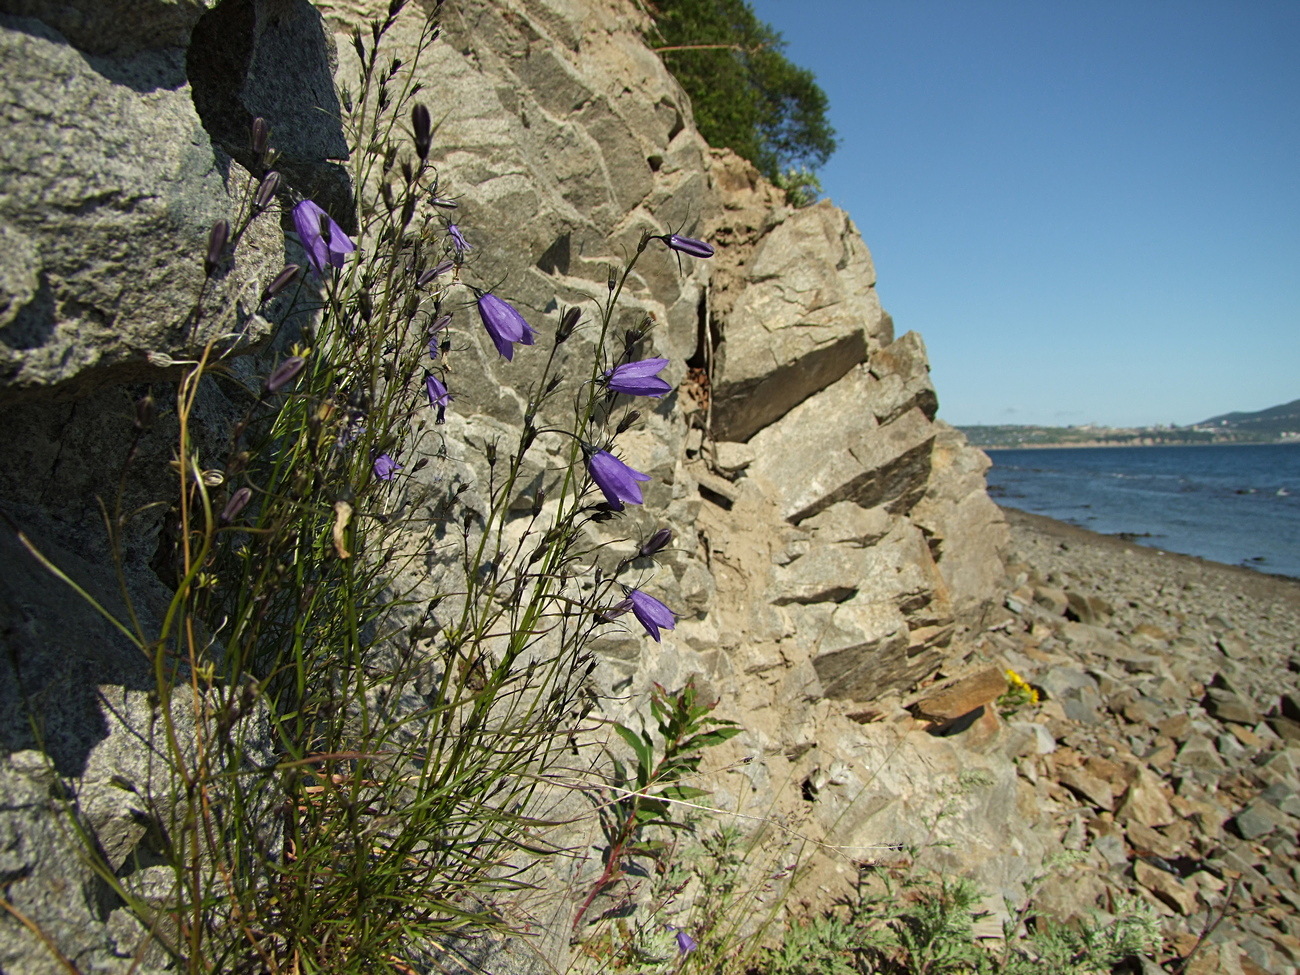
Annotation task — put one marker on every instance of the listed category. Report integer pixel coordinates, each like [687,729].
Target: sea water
[1238,504]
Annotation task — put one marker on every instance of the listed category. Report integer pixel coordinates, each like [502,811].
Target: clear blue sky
[1090,211]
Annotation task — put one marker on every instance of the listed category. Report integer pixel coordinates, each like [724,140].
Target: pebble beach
[1171,689]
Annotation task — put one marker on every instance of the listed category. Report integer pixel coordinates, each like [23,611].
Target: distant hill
[1277,423]
[1274,421]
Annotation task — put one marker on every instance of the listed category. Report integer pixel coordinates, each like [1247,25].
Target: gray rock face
[966,531]
[111,186]
[803,319]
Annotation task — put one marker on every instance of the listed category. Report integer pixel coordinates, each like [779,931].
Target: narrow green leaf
[643,749]
[709,738]
[683,792]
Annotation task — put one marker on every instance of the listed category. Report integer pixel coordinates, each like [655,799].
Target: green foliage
[746,94]
[644,794]
[802,187]
[821,946]
[926,927]
[1088,949]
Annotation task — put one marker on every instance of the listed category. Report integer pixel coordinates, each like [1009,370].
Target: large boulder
[967,532]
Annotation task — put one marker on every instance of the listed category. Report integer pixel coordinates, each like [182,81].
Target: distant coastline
[1087,444]
[1277,424]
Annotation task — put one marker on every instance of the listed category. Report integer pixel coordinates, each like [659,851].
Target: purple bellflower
[615,479]
[324,241]
[652,614]
[458,239]
[688,245]
[438,395]
[504,325]
[638,378]
[386,467]
[685,943]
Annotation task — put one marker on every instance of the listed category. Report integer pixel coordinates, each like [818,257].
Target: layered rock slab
[795,302]
[830,448]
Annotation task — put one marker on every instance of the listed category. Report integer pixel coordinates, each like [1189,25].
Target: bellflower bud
[266,192]
[217,238]
[656,542]
[144,412]
[281,281]
[237,503]
[423,130]
[627,421]
[568,322]
[687,245]
[284,374]
[436,271]
[260,137]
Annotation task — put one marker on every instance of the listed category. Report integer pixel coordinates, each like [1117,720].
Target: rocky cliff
[834,544]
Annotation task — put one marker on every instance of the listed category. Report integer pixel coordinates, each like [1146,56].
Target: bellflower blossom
[504,325]
[386,467]
[438,395]
[638,378]
[652,614]
[615,479]
[324,240]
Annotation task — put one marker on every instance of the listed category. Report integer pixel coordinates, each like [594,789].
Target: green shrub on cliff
[746,94]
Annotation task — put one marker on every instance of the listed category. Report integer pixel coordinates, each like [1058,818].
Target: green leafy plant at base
[714,894]
[644,793]
[926,927]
